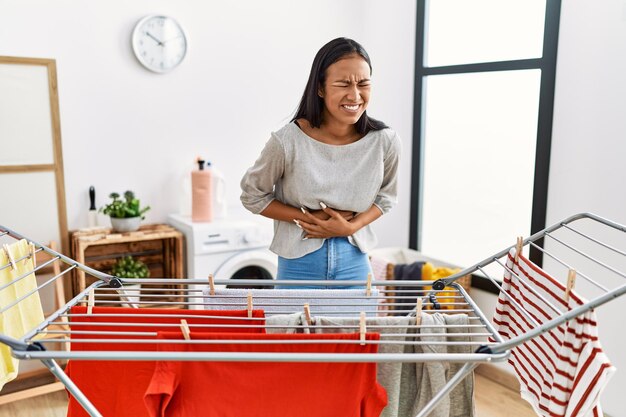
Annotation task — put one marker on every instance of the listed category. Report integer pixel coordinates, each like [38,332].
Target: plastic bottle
[201,193]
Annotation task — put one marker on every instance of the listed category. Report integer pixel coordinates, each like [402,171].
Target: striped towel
[562,372]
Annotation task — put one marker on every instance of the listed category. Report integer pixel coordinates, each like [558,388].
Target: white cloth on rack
[327,302]
[25,315]
[289,324]
[561,372]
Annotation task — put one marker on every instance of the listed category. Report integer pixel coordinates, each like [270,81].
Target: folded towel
[24,316]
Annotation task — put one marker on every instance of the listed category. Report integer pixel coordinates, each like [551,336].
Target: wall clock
[159,43]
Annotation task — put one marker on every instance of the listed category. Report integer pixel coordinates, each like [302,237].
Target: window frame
[547,65]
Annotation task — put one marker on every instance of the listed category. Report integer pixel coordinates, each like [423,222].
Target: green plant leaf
[130,206]
[128,267]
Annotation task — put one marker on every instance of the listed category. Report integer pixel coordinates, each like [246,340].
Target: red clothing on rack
[116,388]
[561,372]
[266,389]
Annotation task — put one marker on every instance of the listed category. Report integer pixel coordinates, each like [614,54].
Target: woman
[328,174]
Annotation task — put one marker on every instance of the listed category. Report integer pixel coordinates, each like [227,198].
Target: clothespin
[418,311]
[307,314]
[518,248]
[184,327]
[91,301]
[571,281]
[211,285]
[249,304]
[368,290]
[362,328]
[6,249]
[31,245]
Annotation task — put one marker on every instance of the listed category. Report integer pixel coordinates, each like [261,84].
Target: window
[483,99]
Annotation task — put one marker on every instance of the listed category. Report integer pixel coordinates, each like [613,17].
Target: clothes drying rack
[593,246]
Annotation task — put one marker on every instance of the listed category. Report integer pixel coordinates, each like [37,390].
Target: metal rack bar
[530,288]
[21,277]
[36,290]
[453,382]
[537,236]
[595,240]
[18,259]
[264,357]
[390,294]
[57,371]
[546,327]
[508,296]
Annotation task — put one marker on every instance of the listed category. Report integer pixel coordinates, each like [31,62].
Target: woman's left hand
[335,226]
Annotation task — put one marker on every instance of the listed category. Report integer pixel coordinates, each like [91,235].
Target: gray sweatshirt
[300,171]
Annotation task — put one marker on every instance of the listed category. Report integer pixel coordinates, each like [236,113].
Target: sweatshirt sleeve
[387,196]
[257,185]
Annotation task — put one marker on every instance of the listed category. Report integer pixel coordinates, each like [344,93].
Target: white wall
[248,61]
[390,41]
[587,168]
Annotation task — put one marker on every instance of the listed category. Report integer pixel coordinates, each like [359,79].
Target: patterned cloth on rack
[379,268]
[116,388]
[421,381]
[262,389]
[561,372]
[322,301]
[383,270]
[25,315]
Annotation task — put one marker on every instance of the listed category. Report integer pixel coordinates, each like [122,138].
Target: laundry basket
[385,260]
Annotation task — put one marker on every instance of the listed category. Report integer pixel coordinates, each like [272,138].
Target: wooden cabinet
[159,246]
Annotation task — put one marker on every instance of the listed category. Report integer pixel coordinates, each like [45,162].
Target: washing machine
[227,248]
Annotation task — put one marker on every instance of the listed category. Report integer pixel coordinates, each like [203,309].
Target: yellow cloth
[432,273]
[24,316]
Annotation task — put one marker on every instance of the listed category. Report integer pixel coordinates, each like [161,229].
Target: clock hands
[171,39]
[162,43]
[157,41]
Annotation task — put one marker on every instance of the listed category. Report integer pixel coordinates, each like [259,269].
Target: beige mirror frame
[31,158]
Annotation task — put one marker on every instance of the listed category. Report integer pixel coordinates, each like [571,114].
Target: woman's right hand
[321,215]
[335,225]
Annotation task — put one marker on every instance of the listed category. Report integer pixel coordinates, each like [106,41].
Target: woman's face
[346,91]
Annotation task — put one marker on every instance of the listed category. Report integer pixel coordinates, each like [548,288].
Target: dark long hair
[312,105]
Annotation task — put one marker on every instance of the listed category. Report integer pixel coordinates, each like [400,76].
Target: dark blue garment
[407,295]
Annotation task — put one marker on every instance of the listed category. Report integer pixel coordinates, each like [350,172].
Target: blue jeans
[337,259]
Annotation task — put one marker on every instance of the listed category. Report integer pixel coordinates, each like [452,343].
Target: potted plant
[129,267]
[126,213]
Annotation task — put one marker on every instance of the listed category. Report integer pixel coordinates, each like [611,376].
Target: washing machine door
[255,264]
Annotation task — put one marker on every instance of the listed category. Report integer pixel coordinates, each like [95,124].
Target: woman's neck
[331,134]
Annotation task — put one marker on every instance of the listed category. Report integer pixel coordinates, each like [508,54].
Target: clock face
[159,43]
